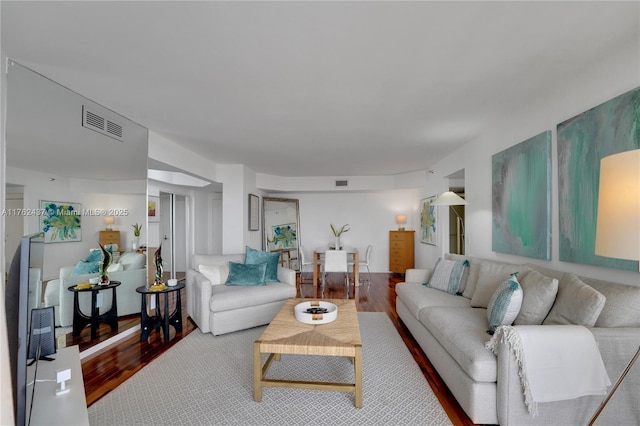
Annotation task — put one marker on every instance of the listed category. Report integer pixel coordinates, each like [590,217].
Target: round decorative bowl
[316,312]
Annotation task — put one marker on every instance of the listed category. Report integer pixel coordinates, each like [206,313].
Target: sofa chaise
[452,329]
[218,308]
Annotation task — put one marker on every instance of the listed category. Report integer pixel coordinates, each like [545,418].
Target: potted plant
[337,232]
[136,235]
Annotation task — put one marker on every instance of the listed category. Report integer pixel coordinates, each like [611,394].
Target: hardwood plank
[103,372]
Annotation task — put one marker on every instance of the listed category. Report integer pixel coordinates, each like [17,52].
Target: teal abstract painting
[583,141]
[521,194]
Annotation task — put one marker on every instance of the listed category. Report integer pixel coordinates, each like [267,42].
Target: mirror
[281,227]
[65,149]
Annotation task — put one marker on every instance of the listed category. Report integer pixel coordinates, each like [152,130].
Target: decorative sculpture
[158,261]
[104,265]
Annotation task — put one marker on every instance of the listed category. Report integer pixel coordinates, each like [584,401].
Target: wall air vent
[99,123]
[342,183]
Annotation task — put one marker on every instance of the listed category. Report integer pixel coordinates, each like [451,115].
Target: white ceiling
[316,88]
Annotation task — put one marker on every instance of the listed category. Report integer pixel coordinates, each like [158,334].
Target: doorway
[457,214]
[174,213]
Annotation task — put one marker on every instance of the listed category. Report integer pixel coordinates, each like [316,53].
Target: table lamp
[401,220]
[618,222]
[109,220]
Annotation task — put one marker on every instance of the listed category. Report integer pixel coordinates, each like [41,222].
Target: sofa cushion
[216,274]
[465,276]
[576,303]
[472,280]
[462,332]
[226,298]
[83,267]
[447,275]
[539,293]
[94,256]
[132,260]
[254,257]
[505,304]
[217,259]
[622,308]
[416,296]
[243,274]
[491,275]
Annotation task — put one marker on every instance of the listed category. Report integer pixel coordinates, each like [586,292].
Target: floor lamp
[618,222]
[451,199]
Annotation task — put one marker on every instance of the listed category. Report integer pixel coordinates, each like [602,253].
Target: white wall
[370,215]
[609,78]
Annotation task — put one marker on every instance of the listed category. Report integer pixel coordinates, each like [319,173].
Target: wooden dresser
[400,251]
[110,237]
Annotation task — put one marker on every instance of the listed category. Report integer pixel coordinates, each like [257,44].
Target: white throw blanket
[556,362]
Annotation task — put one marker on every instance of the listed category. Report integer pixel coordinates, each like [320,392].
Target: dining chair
[303,263]
[335,261]
[365,263]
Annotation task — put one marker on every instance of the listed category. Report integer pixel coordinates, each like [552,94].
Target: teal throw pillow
[447,275]
[94,256]
[505,304]
[86,268]
[243,274]
[254,257]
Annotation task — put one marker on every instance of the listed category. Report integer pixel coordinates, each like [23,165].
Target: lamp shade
[109,220]
[618,222]
[449,199]
[401,219]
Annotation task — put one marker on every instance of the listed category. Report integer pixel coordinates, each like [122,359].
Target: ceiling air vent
[99,123]
[342,183]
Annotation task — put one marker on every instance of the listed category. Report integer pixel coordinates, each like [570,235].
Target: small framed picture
[254,212]
[153,209]
[428,219]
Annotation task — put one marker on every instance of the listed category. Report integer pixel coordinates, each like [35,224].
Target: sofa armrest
[617,346]
[286,275]
[198,298]
[65,271]
[418,275]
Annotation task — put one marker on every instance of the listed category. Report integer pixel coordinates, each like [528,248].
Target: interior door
[166,232]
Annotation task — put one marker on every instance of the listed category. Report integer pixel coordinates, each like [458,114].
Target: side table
[110,317]
[150,323]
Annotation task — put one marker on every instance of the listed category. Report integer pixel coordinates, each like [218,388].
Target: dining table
[318,255]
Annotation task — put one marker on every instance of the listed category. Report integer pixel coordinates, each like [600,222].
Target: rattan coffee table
[286,335]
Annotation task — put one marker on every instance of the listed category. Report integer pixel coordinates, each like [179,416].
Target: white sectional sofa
[452,333]
[218,308]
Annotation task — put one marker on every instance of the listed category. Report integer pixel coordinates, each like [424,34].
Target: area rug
[208,380]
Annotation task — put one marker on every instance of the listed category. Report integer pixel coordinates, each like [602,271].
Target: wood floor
[106,370]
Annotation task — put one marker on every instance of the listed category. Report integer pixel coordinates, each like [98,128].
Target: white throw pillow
[132,260]
[539,293]
[505,304]
[216,274]
[115,267]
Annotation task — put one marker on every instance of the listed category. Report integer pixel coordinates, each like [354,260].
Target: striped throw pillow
[447,275]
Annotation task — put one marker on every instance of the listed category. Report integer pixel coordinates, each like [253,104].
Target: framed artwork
[153,208]
[428,218]
[609,128]
[521,198]
[61,222]
[283,237]
[254,212]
